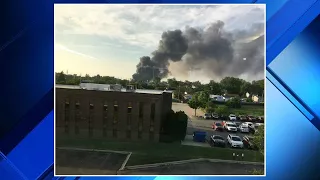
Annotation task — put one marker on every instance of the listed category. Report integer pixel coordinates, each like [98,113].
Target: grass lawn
[145,153]
[248,110]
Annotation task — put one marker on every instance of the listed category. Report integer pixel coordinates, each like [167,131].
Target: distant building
[256,98]
[99,113]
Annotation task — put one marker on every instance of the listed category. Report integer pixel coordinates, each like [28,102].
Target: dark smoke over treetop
[213,49]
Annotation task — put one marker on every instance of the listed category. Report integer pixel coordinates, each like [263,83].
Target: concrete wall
[105,114]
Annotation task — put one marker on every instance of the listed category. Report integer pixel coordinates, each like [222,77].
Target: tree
[258,139]
[61,78]
[203,98]
[234,103]
[215,88]
[175,126]
[195,104]
[232,85]
[222,110]
[210,108]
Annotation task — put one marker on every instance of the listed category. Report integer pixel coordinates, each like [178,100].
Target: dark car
[215,116]
[248,142]
[217,141]
[217,126]
[251,118]
[261,119]
[242,118]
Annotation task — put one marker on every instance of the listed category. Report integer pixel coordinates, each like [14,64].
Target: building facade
[110,114]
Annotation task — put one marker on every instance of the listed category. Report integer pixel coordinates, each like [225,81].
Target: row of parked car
[233,141]
[233,117]
[244,127]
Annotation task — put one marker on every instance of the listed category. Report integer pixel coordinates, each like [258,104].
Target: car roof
[216,136]
[234,135]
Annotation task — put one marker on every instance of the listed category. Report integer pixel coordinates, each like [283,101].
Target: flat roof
[143,91]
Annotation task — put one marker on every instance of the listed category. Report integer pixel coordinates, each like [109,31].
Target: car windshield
[207,114]
[236,139]
[218,124]
[218,137]
[232,116]
[231,125]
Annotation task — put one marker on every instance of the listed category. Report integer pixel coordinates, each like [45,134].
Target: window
[91,106]
[76,117]
[153,109]
[139,134]
[115,106]
[128,134]
[151,136]
[114,133]
[105,107]
[141,110]
[66,116]
[129,108]
[105,113]
[151,128]
[105,130]
[129,119]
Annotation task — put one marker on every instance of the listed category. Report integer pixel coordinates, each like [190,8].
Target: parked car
[199,136]
[232,117]
[242,118]
[235,141]
[215,116]
[229,126]
[216,140]
[248,142]
[244,128]
[207,116]
[217,126]
[261,119]
[251,118]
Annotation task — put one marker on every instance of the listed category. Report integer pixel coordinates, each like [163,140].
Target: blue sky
[110,39]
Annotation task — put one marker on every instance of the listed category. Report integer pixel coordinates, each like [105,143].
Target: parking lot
[199,124]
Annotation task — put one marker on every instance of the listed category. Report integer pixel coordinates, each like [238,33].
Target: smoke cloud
[212,50]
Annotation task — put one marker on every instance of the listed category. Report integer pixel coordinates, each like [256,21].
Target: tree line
[228,85]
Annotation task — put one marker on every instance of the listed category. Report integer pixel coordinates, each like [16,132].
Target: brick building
[110,114]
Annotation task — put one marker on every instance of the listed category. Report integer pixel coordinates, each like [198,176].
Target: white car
[235,141]
[232,117]
[244,128]
[249,124]
[229,126]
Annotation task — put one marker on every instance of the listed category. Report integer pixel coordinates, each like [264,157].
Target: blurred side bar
[8,170]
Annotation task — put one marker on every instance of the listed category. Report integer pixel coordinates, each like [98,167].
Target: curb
[188,161]
[95,150]
[123,166]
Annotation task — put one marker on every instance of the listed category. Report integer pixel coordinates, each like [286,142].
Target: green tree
[61,78]
[210,108]
[175,126]
[215,88]
[194,103]
[232,85]
[203,98]
[222,110]
[234,103]
[258,139]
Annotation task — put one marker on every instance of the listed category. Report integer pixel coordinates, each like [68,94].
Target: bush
[222,111]
[234,103]
[174,127]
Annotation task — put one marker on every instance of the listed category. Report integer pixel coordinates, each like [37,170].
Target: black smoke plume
[214,50]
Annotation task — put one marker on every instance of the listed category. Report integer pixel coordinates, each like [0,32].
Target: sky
[110,39]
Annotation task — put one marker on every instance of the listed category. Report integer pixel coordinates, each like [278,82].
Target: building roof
[145,91]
